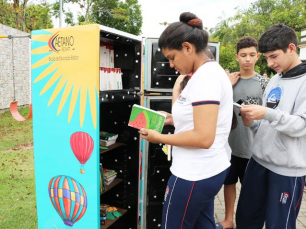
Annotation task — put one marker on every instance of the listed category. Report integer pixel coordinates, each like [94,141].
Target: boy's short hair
[278,36]
[246,42]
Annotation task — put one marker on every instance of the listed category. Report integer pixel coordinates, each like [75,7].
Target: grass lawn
[17,182]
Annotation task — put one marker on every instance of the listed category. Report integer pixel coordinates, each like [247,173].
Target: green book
[142,117]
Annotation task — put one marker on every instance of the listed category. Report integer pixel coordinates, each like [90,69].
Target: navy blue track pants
[267,197]
[190,204]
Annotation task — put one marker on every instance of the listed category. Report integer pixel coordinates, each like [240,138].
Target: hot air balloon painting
[68,198]
[82,145]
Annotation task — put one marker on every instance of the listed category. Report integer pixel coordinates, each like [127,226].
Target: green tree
[55,11]
[25,17]
[255,20]
[122,15]
[7,14]
[38,17]
[20,14]
[85,5]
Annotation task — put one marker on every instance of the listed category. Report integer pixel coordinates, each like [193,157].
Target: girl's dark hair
[278,36]
[188,29]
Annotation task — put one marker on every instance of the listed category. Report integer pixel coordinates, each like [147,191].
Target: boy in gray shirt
[247,85]
[274,179]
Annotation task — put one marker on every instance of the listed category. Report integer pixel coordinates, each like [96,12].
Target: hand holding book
[142,117]
[151,135]
[148,121]
[169,119]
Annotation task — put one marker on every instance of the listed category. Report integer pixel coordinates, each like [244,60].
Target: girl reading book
[202,116]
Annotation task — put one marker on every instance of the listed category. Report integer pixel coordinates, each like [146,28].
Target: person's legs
[243,163]
[206,217]
[172,194]
[251,209]
[230,192]
[207,189]
[284,200]
[229,199]
[189,204]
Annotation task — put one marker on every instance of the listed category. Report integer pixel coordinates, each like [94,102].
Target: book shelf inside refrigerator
[115,105]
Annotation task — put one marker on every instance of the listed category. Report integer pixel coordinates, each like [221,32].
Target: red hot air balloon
[68,198]
[82,146]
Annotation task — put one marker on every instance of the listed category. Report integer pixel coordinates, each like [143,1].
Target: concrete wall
[21,64]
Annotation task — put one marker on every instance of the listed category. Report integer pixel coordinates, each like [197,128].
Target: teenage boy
[247,85]
[274,179]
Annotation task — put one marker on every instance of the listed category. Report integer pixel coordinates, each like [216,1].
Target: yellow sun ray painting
[69,59]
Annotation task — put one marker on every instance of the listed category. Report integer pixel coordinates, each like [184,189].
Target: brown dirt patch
[25,146]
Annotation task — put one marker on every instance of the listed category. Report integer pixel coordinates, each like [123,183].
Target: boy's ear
[258,55]
[236,57]
[292,47]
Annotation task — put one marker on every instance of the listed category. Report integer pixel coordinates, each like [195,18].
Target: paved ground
[220,208]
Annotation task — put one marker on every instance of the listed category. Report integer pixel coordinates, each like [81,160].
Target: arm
[175,94]
[293,125]
[177,88]
[201,136]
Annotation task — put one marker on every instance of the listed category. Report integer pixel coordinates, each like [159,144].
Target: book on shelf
[142,117]
[108,136]
[102,180]
[112,176]
[108,181]
[109,173]
[107,143]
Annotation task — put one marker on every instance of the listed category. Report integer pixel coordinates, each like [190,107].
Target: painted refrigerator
[85,80]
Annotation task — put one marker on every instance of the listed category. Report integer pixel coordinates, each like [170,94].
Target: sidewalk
[220,208]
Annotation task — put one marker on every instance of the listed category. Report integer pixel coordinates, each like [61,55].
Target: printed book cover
[142,117]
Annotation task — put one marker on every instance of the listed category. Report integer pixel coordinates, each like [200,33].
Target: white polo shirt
[208,85]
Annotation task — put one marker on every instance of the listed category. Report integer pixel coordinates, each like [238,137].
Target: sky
[210,11]
[159,11]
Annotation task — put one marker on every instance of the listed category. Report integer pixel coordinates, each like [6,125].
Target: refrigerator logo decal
[60,43]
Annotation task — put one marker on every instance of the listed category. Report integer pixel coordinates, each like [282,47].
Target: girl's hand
[150,135]
[169,118]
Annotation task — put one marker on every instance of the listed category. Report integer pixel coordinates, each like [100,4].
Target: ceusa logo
[181,99]
[274,96]
[284,197]
[59,43]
